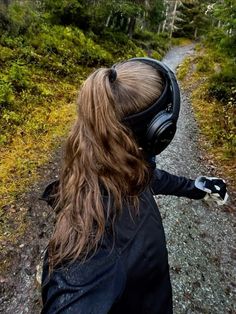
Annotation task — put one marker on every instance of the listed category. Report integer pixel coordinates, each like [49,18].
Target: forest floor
[200,237]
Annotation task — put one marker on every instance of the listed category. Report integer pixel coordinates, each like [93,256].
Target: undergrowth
[180,41]
[215,110]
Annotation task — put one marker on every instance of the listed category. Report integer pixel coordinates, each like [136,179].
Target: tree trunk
[172,24]
[124,23]
[118,21]
[131,26]
[164,22]
[6,2]
[108,20]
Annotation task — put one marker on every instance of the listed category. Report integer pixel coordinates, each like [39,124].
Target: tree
[194,21]
[122,15]
[155,14]
[223,14]
[66,12]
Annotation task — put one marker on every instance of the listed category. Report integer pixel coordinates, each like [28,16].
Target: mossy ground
[37,106]
[29,147]
[180,41]
[215,119]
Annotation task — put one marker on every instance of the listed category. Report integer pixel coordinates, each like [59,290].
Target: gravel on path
[201,237]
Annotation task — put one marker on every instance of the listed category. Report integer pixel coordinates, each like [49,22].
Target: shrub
[11,41]
[60,49]
[204,64]
[143,35]
[6,54]
[19,76]
[22,17]
[6,94]
[119,45]
[221,84]
[183,69]
[4,21]
[156,55]
[151,42]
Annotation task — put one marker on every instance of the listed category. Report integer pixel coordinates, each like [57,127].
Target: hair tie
[112,75]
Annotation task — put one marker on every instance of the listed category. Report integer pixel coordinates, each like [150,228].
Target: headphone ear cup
[160,132]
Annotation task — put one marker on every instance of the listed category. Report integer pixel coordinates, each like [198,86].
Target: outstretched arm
[209,188]
[164,183]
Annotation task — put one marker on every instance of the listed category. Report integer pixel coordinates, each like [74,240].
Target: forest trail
[200,240]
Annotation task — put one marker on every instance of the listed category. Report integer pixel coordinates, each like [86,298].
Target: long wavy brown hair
[101,157]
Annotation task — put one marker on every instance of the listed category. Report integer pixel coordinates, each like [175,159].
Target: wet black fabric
[129,274]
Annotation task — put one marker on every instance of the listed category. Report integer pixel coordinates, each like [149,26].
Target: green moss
[180,41]
[204,64]
[183,69]
[222,83]
[156,55]
[208,79]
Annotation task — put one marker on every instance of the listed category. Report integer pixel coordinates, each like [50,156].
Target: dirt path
[200,237]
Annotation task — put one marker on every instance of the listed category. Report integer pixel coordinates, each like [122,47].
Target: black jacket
[129,274]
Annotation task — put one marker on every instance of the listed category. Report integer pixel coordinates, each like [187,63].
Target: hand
[215,189]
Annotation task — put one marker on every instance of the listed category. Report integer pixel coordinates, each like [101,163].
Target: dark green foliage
[156,14]
[19,17]
[118,15]
[4,21]
[192,22]
[222,84]
[67,12]
[19,76]
[93,15]
[119,45]
[121,16]
[6,94]
[222,41]
[204,64]
[152,42]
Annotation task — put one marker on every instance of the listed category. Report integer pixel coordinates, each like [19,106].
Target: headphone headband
[155,127]
[170,81]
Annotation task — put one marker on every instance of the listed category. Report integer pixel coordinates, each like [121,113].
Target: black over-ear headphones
[155,127]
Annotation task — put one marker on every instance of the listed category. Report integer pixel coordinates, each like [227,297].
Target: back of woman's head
[102,157]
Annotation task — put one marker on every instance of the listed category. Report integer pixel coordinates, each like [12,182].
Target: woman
[108,253]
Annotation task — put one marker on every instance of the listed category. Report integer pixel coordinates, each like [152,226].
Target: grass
[215,119]
[181,41]
[21,159]
[184,68]
[31,129]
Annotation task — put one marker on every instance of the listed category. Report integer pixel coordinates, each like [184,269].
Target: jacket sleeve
[91,287]
[165,183]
